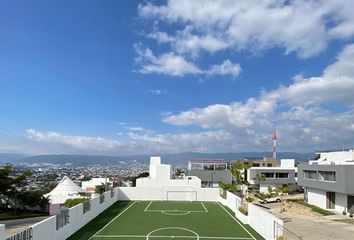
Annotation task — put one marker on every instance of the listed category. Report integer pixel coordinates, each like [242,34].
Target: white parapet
[2,232]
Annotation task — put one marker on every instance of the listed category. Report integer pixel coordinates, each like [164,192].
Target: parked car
[271,199]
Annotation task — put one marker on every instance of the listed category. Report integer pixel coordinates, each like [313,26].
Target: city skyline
[144,77]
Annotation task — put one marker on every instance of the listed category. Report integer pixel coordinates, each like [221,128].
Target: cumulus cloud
[176,65]
[297,110]
[302,27]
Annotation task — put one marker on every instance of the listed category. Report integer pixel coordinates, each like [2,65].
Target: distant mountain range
[178,159]
[10,157]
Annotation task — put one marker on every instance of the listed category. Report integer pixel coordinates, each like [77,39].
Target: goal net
[181,195]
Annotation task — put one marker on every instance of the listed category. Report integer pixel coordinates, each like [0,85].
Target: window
[208,166]
[196,166]
[282,175]
[308,174]
[255,164]
[220,166]
[269,165]
[327,176]
[268,174]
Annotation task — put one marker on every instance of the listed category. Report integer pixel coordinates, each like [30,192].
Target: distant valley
[178,159]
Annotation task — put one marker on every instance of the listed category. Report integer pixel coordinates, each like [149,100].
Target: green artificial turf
[165,220]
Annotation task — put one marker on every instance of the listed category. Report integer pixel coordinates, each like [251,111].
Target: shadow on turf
[99,222]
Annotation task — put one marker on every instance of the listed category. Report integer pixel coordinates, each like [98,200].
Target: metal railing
[101,198]
[112,193]
[62,219]
[86,206]
[24,235]
[282,233]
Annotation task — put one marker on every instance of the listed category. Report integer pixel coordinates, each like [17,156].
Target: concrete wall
[46,229]
[2,231]
[258,218]
[263,222]
[316,197]
[160,193]
[185,182]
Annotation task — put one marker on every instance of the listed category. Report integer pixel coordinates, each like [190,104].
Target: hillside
[178,159]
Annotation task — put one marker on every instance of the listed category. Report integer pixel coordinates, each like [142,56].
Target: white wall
[263,221]
[316,197]
[160,193]
[341,202]
[258,218]
[2,232]
[46,229]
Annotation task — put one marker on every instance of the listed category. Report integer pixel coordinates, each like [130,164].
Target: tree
[259,178]
[227,186]
[238,170]
[140,175]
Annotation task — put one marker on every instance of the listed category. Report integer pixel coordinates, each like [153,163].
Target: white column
[2,232]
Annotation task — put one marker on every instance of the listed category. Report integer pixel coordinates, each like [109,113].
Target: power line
[25,140]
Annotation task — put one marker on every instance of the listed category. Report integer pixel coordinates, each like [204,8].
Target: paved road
[17,225]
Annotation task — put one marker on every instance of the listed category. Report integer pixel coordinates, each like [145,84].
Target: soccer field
[172,220]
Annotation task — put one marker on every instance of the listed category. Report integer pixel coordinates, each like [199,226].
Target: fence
[24,235]
[101,198]
[281,232]
[112,193]
[62,219]
[86,206]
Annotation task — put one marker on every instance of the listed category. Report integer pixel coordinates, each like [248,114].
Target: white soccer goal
[181,196]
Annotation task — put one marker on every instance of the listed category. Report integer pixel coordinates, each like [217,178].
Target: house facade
[329,180]
[210,171]
[274,177]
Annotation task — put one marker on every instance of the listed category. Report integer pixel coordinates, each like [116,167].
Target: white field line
[143,236]
[206,210]
[147,206]
[237,221]
[112,221]
[174,210]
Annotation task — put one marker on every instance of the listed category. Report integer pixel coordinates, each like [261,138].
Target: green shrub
[285,190]
[249,199]
[74,201]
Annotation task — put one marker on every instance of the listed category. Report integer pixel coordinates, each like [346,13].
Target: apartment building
[329,180]
[211,171]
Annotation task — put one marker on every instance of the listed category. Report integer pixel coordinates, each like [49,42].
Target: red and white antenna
[274,138]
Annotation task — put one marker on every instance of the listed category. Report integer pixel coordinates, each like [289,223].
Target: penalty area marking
[185,212]
[175,212]
[196,237]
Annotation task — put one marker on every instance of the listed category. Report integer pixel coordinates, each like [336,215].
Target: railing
[86,206]
[62,219]
[112,193]
[102,198]
[24,235]
[282,233]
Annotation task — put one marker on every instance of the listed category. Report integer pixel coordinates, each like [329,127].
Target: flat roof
[206,160]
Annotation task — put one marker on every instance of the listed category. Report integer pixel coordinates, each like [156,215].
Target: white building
[275,177]
[185,188]
[66,189]
[329,180]
[90,186]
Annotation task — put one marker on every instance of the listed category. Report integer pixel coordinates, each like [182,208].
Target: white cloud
[302,27]
[135,129]
[297,110]
[176,65]
[168,63]
[156,91]
[225,68]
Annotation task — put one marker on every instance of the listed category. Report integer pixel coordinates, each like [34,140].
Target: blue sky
[124,77]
